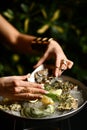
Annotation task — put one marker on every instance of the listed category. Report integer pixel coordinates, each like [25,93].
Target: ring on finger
[62,70]
[64,62]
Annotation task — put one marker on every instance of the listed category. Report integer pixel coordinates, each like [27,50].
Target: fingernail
[46,92]
[42,86]
[28,74]
[41,96]
[56,74]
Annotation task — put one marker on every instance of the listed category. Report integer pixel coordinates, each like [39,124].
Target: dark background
[65,21]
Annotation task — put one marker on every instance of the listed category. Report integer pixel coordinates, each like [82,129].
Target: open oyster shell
[32,77]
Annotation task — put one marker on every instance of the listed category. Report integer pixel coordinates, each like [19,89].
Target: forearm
[12,37]
[7,31]
[21,42]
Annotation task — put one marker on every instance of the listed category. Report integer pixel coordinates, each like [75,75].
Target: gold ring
[64,62]
[62,70]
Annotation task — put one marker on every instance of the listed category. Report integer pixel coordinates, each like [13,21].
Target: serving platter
[80,95]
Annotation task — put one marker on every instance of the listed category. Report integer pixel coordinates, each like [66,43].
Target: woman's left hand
[61,61]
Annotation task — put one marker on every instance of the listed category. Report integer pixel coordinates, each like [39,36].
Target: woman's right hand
[18,88]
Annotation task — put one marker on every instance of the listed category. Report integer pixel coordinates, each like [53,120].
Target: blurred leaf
[76,29]
[58,28]
[44,13]
[9,14]
[43,28]
[24,7]
[83,44]
[55,15]
[20,69]
[85,48]
[26,25]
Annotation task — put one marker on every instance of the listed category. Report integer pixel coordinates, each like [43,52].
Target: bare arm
[23,44]
[14,38]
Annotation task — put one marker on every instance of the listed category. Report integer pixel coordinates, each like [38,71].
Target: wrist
[39,43]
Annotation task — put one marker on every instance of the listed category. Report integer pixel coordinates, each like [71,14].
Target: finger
[28,96]
[26,84]
[57,66]
[69,64]
[60,71]
[30,90]
[23,77]
[63,67]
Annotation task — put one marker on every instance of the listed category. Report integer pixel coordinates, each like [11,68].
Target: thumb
[38,63]
[41,61]
[23,77]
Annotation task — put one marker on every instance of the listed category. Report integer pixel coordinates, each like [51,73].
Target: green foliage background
[64,20]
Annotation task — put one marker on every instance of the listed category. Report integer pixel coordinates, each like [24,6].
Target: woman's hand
[61,61]
[18,88]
